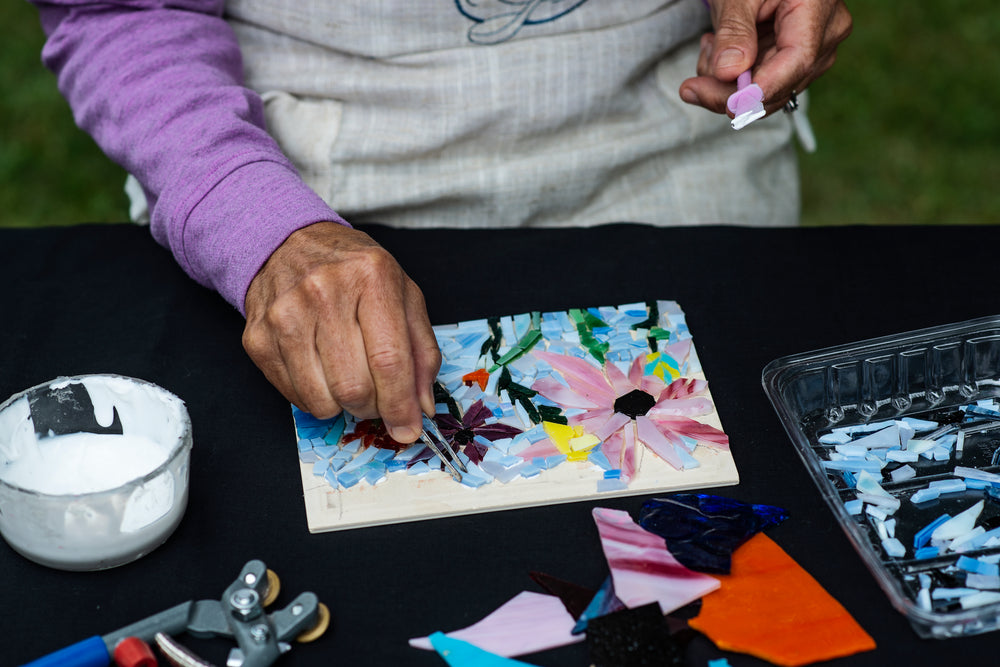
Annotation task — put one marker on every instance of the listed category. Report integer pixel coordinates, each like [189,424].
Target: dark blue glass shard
[702,530]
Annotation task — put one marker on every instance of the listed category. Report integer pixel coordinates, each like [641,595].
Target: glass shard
[702,530]
[458,653]
[573,596]
[771,608]
[636,637]
[526,623]
[641,567]
[604,602]
[634,403]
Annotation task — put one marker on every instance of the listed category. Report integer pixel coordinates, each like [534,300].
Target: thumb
[735,46]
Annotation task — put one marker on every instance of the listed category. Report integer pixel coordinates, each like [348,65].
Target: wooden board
[401,497]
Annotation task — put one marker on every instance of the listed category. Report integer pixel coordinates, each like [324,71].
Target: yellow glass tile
[583,442]
[560,435]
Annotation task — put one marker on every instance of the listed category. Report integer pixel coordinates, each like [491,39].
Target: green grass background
[907,124]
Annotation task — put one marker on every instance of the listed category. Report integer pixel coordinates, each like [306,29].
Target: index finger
[389,351]
[426,353]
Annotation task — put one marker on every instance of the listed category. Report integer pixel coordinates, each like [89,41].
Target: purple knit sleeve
[158,84]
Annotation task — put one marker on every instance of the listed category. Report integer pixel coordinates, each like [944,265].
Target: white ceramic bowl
[93,470]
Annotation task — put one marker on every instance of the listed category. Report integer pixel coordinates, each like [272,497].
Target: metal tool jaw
[431,436]
[260,637]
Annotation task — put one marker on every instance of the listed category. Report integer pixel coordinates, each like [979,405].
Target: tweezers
[431,436]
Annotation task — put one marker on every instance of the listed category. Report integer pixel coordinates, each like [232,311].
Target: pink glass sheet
[642,569]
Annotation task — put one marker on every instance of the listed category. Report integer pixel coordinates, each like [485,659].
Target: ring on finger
[792,104]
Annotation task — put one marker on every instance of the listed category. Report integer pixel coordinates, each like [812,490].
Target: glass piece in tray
[925,471]
[924,495]
[902,474]
[958,525]
[973,473]
[948,485]
[869,485]
[893,547]
[703,530]
[977,566]
[980,599]
[888,438]
[661,578]
[526,623]
[771,608]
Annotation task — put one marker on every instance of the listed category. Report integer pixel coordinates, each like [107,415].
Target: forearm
[160,91]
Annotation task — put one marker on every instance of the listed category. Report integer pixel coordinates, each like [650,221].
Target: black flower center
[463,437]
[634,403]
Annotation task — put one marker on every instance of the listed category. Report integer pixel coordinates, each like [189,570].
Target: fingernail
[403,434]
[427,405]
[729,58]
[690,96]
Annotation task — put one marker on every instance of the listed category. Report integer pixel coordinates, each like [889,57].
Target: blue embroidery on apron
[499,20]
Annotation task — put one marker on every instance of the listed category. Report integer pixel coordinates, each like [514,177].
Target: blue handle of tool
[88,653]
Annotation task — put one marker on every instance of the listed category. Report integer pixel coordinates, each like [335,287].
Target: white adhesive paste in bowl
[84,463]
[95,500]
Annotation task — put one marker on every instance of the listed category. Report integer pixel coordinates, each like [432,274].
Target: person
[245,121]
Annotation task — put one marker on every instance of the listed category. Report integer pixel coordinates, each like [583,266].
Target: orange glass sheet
[769,607]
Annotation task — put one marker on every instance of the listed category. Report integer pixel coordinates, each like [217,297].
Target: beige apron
[471,113]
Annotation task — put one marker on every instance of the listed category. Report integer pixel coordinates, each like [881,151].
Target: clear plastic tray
[929,374]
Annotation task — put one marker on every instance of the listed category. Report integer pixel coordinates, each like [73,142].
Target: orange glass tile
[479,376]
[771,608]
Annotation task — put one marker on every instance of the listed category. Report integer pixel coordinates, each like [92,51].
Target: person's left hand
[787,43]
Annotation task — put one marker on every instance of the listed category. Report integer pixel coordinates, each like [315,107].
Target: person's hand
[787,43]
[334,323]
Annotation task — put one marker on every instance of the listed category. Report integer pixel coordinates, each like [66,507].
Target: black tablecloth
[98,299]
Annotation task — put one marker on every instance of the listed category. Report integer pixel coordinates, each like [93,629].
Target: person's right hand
[787,43]
[334,323]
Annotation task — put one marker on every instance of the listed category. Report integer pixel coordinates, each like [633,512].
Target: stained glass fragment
[611,485]
[480,376]
[458,653]
[641,567]
[958,525]
[636,637]
[522,346]
[771,608]
[527,623]
[703,530]
[604,602]
[573,596]
[634,403]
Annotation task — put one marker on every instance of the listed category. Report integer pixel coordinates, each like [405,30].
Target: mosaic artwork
[562,405]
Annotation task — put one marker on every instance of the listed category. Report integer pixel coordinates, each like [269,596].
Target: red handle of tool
[133,652]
